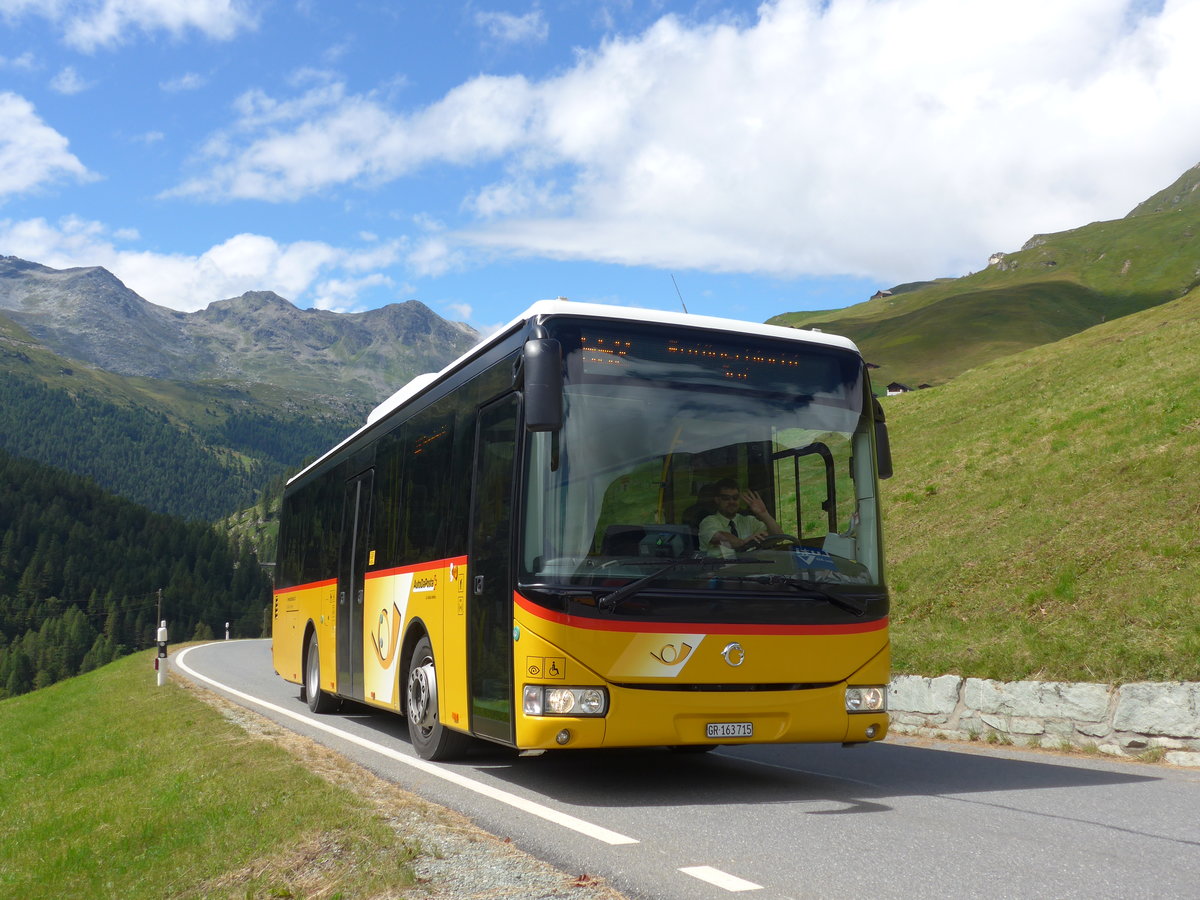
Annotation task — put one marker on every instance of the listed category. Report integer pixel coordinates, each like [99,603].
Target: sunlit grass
[1043,520]
[112,787]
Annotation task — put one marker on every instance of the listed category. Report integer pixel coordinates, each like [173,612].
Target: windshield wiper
[816,589]
[611,601]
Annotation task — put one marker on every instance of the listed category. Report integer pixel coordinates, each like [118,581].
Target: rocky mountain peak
[253,300]
[88,315]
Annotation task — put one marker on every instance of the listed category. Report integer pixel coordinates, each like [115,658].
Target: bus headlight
[545,700]
[869,699]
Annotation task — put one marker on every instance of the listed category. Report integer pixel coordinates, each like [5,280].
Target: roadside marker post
[160,661]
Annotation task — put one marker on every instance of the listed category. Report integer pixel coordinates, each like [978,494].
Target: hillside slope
[83,575]
[1054,286]
[1044,519]
[198,451]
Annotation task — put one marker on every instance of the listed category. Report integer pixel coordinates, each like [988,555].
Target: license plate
[730,729]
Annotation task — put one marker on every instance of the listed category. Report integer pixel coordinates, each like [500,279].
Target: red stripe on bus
[418,567]
[328,582]
[695,627]
[399,570]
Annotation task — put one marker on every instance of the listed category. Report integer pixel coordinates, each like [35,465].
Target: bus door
[489,606]
[356,522]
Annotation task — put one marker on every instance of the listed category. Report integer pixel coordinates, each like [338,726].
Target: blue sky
[479,156]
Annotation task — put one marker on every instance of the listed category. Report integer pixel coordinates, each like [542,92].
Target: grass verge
[112,787]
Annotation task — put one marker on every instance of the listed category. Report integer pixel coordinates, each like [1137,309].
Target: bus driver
[727,529]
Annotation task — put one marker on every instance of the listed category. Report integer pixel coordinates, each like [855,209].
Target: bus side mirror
[883,446]
[543,385]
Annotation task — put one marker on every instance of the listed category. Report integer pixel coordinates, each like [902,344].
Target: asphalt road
[896,819]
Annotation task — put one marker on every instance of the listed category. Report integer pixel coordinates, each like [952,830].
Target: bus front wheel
[431,739]
[318,700]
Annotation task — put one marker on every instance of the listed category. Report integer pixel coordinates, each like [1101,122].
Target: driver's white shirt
[746,525]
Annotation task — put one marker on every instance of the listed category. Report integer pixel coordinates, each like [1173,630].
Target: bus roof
[564,307]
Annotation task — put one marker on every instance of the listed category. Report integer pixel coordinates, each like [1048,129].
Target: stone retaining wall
[1133,720]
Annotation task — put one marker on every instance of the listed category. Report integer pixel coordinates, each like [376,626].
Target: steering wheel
[771,542]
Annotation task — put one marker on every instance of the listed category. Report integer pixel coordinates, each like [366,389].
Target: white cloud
[188,81]
[92,24]
[339,294]
[892,139]
[337,139]
[507,28]
[518,194]
[69,82]
[32,154]
[303,271]
[434,256]
[26,62]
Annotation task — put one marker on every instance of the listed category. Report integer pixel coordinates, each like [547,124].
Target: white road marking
[533,808]
[720,879]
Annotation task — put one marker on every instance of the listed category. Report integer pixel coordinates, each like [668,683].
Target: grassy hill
[115,788]
[1044,520]
[1055,286]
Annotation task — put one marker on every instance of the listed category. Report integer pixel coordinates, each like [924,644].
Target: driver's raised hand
[754,503]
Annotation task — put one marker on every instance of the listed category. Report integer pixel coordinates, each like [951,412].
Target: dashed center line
[720,879]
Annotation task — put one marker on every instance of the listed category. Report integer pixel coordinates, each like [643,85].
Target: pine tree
[21,674]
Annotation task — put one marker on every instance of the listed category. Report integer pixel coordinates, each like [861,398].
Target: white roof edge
[419,383]
[666,317]
[411,389]
[597,310]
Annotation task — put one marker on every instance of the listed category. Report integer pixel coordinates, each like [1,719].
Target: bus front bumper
[639,717]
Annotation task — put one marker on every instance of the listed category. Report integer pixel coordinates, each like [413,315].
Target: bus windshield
[704,477]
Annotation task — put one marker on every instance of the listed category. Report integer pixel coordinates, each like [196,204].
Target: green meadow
[112,787]
[1044,519]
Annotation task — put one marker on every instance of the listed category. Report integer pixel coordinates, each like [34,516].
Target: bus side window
[429,460]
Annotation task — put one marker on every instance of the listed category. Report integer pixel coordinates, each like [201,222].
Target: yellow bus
[601,527]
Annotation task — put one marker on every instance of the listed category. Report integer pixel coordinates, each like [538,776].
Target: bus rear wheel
[430,738]
[318,700]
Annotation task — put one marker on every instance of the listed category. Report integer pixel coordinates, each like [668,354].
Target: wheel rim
[422,696]
[313,684]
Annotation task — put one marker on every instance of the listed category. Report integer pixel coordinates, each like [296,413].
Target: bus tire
[431,739]
[318,700]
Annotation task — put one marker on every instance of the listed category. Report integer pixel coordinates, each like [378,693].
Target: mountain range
[193,414]
[348,360]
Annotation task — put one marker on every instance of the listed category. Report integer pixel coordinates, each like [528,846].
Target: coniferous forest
[137,453]
[81,573]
